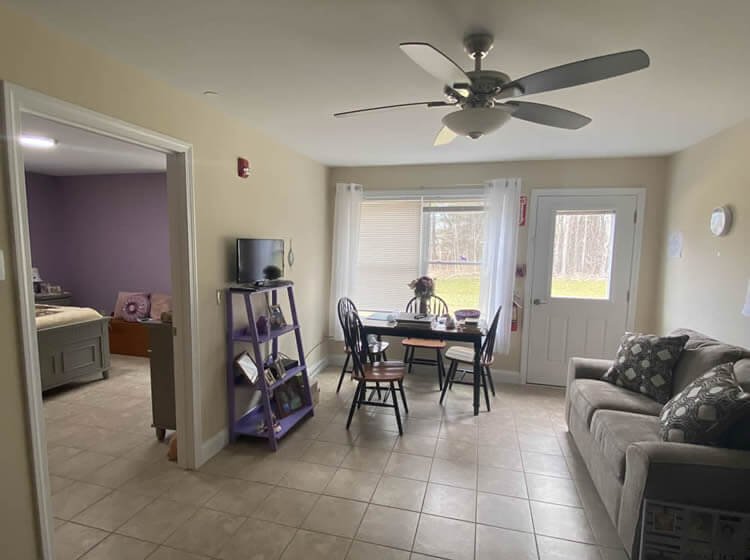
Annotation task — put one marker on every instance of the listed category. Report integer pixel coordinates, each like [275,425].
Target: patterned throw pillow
[644,364]
[704,411]
[132,306]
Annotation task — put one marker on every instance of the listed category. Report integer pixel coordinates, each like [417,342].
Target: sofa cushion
[614,431]
[589,395]
[644,364]
[703,412]
[700,355]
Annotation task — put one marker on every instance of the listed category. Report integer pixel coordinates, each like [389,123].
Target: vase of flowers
[424,289]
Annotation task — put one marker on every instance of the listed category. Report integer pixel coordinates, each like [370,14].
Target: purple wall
[110,234]
[45,201]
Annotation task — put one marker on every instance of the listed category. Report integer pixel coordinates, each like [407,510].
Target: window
[402,239]
[454,239]
[582,255]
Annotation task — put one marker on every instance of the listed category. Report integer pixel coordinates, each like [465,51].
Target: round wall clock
[721,220]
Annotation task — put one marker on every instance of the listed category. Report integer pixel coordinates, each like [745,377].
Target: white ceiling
[80,152]
[286,66]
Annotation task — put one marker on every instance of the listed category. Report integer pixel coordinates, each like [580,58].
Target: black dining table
[436,331]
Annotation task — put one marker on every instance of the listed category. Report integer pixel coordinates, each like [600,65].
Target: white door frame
[17,101]
[536,194]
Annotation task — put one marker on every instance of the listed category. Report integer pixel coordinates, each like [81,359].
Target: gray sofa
[617,434]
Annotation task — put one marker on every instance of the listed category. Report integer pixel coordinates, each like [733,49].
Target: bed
[73,344]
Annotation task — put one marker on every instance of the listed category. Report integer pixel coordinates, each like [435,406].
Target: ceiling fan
[479,93]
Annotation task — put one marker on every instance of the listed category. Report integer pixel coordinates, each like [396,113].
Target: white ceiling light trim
[39,142]
[475,122]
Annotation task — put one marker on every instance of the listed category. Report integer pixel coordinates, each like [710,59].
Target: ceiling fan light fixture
[475,122]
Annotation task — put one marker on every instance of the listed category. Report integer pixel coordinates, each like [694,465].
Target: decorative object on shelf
[276,317]
[424,289]
[261,325]
[721,220]
[272,272]
[268,376]
[247,366]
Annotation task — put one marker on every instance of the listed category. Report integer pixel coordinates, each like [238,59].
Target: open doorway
[99,230]
[87,368]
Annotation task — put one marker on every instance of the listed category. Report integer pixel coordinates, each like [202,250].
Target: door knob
[538,301]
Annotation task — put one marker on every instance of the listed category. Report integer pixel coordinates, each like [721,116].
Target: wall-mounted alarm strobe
[243,168]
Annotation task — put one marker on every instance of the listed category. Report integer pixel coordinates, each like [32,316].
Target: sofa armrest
[711,477]
[587,368]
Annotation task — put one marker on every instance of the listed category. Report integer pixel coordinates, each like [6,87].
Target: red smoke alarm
[243,168]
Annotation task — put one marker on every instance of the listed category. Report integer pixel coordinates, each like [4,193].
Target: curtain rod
[456,191]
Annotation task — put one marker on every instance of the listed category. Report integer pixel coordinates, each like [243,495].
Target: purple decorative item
[463,314]
[424,289]
[136,307]
[262,325]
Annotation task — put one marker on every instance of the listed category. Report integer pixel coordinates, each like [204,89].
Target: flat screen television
[254,255]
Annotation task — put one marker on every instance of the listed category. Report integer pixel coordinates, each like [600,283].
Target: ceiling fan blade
[578,73]
[547,115]
[445,136]
[397,106]
[437,64]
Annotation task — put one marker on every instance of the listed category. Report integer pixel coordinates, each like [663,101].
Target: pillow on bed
[160,303]
[132,306]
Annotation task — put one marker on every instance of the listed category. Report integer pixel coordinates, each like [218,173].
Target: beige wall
[286,196]
[705,289]
[650,173]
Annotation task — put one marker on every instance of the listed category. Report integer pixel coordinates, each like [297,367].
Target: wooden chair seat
[384,371]
[465,355]
[424,343]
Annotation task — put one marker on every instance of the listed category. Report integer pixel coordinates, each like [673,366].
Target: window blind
[389,253]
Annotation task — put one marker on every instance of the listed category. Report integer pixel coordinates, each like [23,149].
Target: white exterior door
[583,252]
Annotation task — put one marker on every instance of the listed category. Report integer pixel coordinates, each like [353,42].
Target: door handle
[537,301]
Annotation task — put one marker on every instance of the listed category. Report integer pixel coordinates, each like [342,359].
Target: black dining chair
[376,347]
[462,355]
[376,374]
[436,306]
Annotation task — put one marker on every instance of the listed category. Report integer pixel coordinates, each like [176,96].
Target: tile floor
[503,485]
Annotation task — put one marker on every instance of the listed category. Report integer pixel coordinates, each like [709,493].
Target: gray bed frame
[73,352]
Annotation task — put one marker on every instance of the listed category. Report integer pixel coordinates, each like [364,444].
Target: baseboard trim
[506,376]
[317,367]
[213,445]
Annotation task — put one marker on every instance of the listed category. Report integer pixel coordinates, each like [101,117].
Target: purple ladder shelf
[248,424]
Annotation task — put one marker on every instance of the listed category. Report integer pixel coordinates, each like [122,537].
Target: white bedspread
[48,316]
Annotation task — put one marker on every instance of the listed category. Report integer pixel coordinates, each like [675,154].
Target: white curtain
[345,249]
[502,207]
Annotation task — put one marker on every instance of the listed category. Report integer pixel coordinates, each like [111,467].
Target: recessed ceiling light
[41,142]
[210,93]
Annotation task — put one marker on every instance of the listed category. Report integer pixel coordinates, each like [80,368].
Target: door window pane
[582,255]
